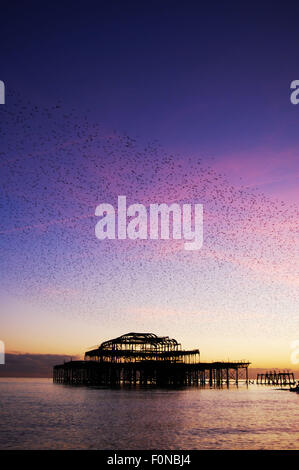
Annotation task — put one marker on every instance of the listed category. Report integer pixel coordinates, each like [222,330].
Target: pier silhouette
[276,378]
[147,359]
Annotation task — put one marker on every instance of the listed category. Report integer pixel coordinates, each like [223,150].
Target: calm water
[36,414]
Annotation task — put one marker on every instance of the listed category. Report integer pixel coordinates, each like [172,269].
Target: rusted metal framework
[138,347]
[147,359]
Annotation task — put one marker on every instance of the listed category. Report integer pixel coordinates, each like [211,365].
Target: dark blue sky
[210,78]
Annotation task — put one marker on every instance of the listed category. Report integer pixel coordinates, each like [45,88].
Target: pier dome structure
[139,347]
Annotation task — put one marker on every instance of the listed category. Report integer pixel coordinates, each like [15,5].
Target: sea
[37,414]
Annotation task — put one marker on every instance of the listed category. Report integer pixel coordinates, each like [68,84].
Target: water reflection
[37,414]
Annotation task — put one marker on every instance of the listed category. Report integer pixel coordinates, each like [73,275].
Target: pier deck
[149,372]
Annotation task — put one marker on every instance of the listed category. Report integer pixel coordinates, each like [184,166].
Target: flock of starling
[56,167]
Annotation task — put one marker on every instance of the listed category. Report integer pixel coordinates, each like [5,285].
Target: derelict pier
[276,378]
[147,359]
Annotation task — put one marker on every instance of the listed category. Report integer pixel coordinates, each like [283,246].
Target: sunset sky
[162,103]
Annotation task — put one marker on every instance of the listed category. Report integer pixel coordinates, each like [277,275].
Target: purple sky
[172,103]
